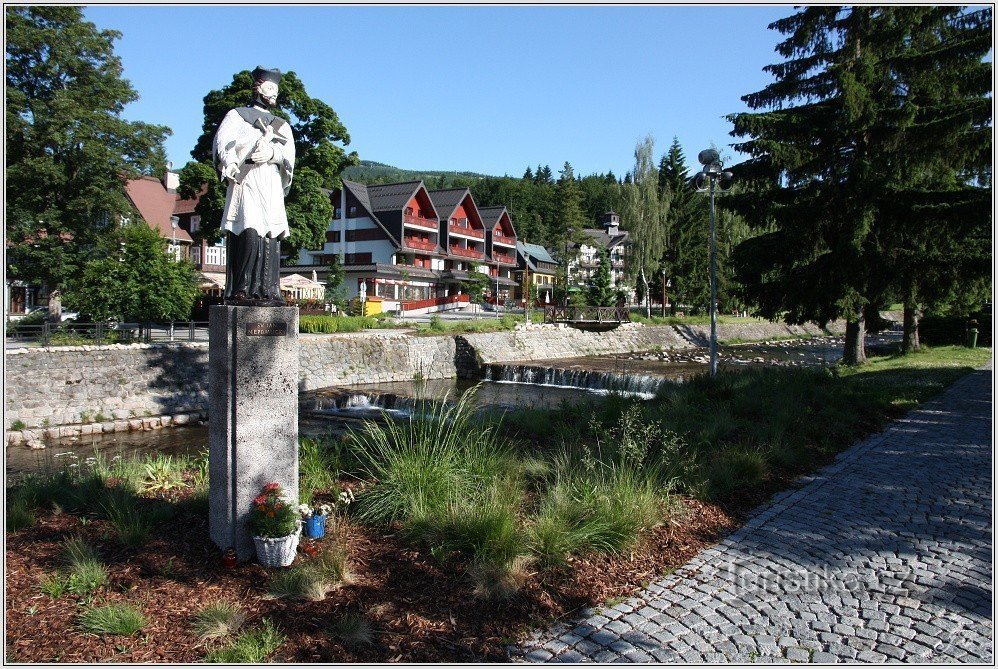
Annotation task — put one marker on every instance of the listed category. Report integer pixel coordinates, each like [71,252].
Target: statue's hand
[263,153]
[230,171]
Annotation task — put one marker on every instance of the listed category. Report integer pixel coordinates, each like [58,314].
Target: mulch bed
[418,611]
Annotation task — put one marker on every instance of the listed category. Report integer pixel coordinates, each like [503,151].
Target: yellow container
[372,306]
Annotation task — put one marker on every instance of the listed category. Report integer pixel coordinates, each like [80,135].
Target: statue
[254,151]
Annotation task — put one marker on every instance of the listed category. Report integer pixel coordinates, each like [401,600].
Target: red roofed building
[155,204]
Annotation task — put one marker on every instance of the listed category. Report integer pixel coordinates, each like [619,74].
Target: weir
[599,381]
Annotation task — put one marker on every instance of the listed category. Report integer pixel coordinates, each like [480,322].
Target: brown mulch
[418,611]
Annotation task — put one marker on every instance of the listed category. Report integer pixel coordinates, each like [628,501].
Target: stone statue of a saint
[254,151]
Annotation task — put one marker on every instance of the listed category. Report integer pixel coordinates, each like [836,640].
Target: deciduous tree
[68,150]
[138,282]
[644,214]
[319,140]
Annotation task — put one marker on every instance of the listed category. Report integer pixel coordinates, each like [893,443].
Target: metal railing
[97,334]
[554,314]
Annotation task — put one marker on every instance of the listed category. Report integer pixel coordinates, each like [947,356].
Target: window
[408,211]
[333,236]
[357,259]
[352,212]
[337,212]
[195,223]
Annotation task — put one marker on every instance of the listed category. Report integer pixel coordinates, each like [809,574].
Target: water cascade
[596,381]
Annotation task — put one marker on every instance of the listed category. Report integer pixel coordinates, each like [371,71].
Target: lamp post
[710,178]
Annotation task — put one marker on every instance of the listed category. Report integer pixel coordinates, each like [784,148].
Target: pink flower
[272,486]
[260,499]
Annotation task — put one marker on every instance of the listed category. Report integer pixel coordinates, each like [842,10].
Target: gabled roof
[491,215]
[155,204]
[187,206]
[389,197]
[385,203]
[445,201]
[603,240]
[534,253]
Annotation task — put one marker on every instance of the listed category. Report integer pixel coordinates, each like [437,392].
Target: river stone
[253,405]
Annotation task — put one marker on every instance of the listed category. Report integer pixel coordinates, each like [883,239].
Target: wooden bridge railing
[554,314]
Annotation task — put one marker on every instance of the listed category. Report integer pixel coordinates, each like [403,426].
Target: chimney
[171,179]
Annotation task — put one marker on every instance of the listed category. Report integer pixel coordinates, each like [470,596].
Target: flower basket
[315,526]
[277,551]
[276,527]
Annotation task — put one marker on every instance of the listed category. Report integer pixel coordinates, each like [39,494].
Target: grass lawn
[466,530]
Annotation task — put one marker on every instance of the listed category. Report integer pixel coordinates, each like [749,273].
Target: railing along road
[555,314]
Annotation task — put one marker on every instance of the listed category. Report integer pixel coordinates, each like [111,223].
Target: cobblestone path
[884,555]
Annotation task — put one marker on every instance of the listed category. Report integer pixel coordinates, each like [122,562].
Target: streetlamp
[712,175]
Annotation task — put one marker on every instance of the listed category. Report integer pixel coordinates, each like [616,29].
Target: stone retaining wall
[699,335]
[548,342]
[373,357]
[92,387]
[82,385]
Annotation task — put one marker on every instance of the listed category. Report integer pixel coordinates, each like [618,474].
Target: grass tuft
[496,580]
[118,619]
[250,647]
[312,580]
[218,620]
[353,629]
[735,468]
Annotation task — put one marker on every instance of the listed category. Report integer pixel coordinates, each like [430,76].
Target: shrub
[112,619]
[53,585]
[735,468]
[17,425]
[218,620]
[250,647]
[436,323]
[331,324]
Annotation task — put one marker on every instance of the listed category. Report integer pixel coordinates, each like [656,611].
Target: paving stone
[889,546]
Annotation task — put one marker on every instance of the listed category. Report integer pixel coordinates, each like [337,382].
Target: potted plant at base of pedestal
[276,527]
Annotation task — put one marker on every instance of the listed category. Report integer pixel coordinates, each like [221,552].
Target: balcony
[466,253]
[419,244]
[498,238]
[415,221]
[503,258]
[466,232]
[214,256]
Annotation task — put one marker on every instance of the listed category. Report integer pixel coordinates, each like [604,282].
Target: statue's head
[265,86]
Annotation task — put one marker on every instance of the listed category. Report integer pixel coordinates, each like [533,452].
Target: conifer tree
[816,155]
[686,256]
[601,291]
[569,220]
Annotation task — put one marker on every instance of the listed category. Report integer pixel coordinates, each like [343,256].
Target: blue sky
[487,89]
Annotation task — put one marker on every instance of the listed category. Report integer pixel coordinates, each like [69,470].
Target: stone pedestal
[252,415]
